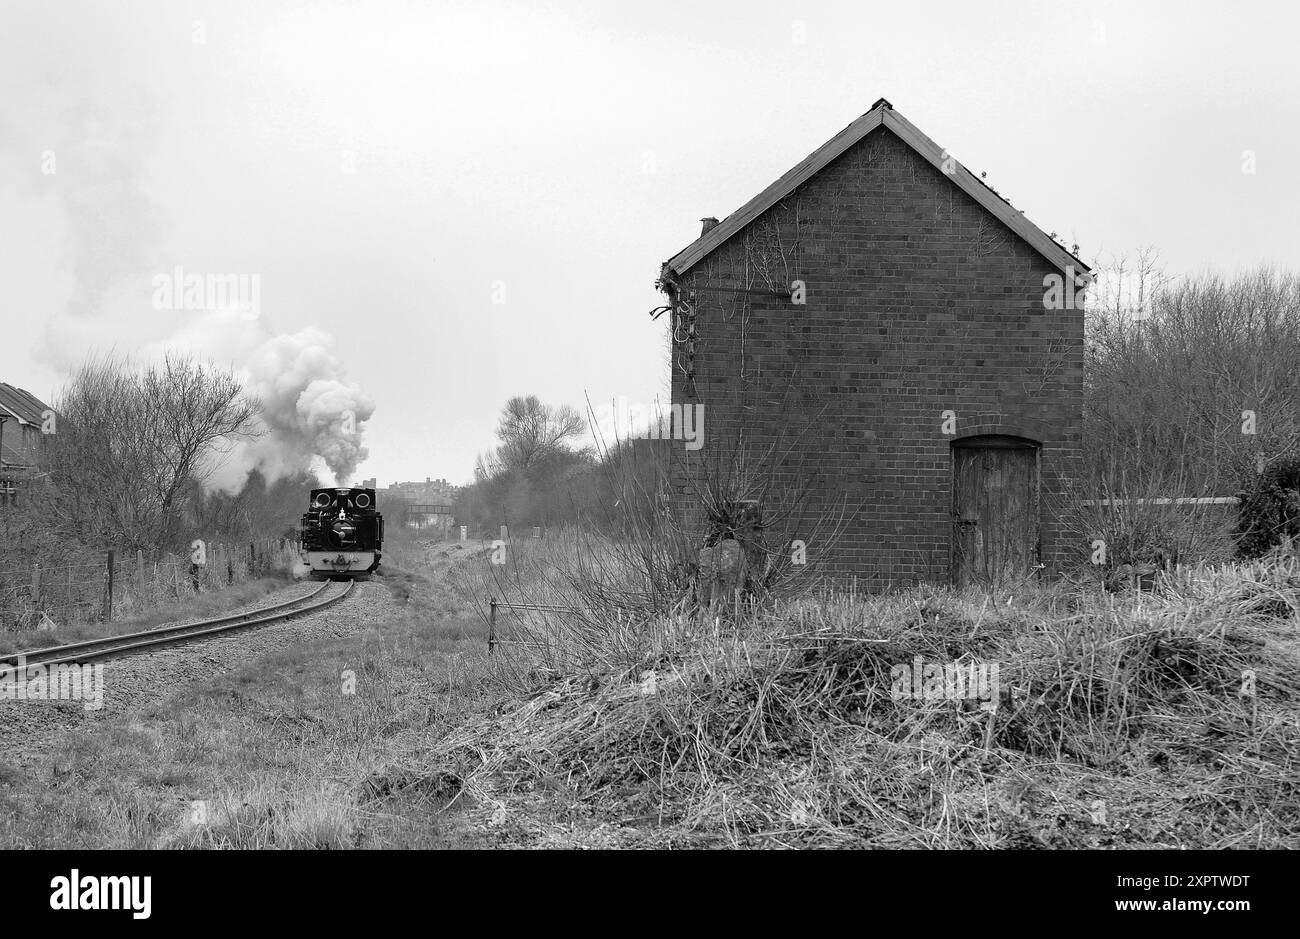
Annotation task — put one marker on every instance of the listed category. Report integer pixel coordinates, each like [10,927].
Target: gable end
[881,114]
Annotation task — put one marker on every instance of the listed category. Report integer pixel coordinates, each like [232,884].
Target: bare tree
[1201,388]
[531,431]
[132,443]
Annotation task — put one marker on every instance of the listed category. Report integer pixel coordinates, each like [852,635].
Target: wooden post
[108,587]
[230,564]
[252,561]
[35,587]
[492,626]
[139,568]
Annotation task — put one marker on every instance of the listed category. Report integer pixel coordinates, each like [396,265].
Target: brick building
[881,327]
[22,415]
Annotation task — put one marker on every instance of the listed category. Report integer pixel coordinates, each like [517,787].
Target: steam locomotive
[342,533]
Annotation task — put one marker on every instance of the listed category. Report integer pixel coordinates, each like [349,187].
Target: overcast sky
[388,170]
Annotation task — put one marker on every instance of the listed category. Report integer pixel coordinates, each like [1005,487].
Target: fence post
[36,586]
[492,625]
[252,561]
[108,588]
[139,569]
[230,564]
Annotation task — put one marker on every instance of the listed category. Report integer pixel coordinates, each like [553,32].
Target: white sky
[566,150]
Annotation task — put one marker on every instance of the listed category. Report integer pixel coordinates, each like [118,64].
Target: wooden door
[995,510]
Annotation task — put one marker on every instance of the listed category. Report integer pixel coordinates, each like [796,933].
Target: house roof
[15,402]
[17,407]
[882,113]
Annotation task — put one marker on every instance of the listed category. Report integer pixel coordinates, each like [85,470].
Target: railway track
[127,643]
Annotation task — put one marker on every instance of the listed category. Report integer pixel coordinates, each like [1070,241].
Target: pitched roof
[16,407]
[882,113]
[15,402]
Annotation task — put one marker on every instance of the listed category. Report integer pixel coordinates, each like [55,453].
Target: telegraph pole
[4,482]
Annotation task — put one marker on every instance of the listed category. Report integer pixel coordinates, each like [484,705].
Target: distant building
[429,492]
[417,505]
[21,416]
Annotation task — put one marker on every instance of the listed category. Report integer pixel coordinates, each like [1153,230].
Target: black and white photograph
[440,427]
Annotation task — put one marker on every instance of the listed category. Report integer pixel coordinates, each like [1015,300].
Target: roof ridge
[21,403]
[881,113]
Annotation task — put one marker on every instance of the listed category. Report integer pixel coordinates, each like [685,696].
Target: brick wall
[20,443]
[918,301]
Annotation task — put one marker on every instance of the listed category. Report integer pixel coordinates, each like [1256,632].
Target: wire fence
[106,585]
[494,605]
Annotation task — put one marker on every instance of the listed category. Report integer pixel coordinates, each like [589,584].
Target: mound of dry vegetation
[1147,719]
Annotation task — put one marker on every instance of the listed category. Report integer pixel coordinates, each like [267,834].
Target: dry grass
[303,748]
[1121,721]
[198,606]
[71,593]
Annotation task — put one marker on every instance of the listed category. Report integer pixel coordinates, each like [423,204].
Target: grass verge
[296,750]
[197,606]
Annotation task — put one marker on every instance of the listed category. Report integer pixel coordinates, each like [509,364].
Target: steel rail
[107,646]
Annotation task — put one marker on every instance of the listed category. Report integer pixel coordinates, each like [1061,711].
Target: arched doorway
[995,536]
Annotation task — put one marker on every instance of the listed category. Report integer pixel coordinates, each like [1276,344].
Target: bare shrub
[1133,530]
[1270,508]
[622,587]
